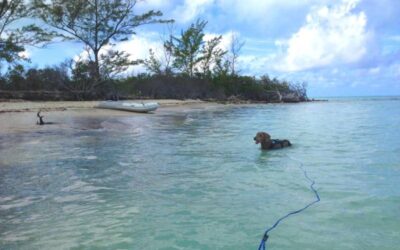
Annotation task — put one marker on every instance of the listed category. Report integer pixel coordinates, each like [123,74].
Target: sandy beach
[20,116]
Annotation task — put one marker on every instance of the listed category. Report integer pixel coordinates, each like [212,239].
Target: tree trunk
[96,76]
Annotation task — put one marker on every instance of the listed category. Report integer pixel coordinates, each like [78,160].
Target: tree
[160,63]
[16,77]
[97,24]
[14,37]
[234,51]
[10,44]
[186,49]
[153,64]
[212,55]
[300,89]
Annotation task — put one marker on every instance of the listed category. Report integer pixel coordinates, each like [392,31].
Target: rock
[235,99]
[273,96]
[291,97]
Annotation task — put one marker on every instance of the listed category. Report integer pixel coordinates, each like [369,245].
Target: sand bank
[20,116]
[26,106]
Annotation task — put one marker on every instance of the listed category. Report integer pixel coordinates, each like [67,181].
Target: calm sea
[196,180]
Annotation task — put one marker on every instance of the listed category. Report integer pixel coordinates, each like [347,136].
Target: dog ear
[265,136]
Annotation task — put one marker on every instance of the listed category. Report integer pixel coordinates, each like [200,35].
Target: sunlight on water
[197,181]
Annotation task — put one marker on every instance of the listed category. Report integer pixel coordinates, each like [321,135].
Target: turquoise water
[196,180]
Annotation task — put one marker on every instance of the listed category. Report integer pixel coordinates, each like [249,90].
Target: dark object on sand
[41,122]
[268,143]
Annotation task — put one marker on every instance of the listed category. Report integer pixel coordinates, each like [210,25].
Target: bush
[220,86]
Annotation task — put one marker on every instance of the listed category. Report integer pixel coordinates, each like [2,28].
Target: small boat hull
[130,106]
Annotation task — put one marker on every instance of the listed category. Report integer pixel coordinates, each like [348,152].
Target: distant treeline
[188,65]
[41,84]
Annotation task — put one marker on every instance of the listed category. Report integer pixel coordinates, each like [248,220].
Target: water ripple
[196,180]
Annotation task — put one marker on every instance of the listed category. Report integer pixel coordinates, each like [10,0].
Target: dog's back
[277,144]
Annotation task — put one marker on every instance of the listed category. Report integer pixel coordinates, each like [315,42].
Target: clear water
[196,180]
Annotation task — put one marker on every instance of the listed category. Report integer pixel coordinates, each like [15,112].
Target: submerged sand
[20,116]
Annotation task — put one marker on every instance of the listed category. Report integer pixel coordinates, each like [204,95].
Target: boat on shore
[140,107]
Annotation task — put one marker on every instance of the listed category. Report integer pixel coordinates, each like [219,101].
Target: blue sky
[339,47]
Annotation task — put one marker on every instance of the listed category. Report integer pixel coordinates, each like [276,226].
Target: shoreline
[20,116]
[17,105]
[10,106]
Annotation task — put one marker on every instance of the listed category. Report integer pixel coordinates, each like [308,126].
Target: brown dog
[268,143]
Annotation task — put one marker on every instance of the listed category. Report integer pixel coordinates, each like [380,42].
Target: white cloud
[395,38]
[225,40]
[331,36]
[26,54]
[155,3]
[137,47]
[191,9]
[374,71]
[146,5]
[395,68]
[256,10]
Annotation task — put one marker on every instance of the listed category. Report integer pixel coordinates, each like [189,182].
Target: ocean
[196,180]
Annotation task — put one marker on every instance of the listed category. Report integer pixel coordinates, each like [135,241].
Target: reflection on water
[196,180]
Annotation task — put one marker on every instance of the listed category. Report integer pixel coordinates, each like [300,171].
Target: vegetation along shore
[188,67]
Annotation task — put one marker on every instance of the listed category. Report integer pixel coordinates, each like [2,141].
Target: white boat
[129,106]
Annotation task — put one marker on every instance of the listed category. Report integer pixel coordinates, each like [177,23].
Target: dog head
[262,137]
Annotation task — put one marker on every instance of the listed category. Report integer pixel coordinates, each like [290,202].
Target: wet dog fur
[267,143]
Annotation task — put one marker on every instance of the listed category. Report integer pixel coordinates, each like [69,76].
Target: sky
[339,47]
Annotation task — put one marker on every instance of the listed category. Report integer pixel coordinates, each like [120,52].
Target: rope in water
[265,237]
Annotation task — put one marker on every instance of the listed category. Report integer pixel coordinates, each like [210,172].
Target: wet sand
[20,116]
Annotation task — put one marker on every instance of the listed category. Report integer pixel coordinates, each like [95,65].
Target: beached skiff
[130,106]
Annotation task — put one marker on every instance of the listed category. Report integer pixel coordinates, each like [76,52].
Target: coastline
[34,106]
[20,116]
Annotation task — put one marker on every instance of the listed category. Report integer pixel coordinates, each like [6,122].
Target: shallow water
[196,180]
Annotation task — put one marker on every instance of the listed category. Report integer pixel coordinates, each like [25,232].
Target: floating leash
[266,236]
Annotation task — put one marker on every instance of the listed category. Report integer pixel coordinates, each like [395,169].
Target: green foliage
[115,62]
[10,46]
[186,49]
[191,55]
[204,70]
[76,77]
[96,24]
[46,79]
[235,47]
[11,11]
[34,35]
[82,75]
[16,76]
[10,49]
[153,64]
[212,55]
[274,84]
[13,38]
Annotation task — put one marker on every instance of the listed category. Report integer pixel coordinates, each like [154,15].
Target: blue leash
[265,237]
